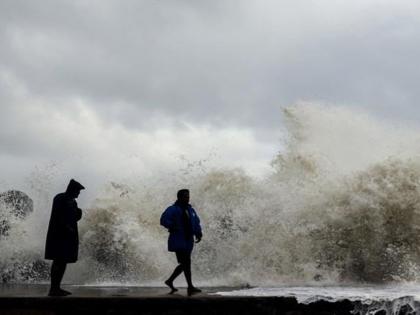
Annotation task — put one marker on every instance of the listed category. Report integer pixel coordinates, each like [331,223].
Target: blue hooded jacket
[172,219]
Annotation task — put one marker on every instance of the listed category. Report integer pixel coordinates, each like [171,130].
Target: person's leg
[177,271]
[187,271]
[57,272]
[184,260]
[186,264]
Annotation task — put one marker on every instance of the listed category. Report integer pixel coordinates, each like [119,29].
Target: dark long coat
[63,237]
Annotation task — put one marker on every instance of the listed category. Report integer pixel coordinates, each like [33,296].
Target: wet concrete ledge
[156,301]
[165,305]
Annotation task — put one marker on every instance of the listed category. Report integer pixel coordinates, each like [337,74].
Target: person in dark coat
[183,225]
[62,244]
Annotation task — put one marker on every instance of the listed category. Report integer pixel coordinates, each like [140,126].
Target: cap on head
[74,186]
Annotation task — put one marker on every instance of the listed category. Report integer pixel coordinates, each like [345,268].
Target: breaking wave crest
[340,205]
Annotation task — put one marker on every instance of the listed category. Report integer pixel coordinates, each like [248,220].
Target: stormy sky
[103,89]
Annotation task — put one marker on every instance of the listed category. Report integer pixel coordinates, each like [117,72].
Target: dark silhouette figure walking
[62,244]
[183,224]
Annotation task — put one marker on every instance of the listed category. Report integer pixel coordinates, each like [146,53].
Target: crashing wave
[340,205]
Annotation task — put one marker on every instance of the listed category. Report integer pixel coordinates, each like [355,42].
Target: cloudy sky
[103,88]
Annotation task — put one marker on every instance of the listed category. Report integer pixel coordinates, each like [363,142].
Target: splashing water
[367,299]
[340,206]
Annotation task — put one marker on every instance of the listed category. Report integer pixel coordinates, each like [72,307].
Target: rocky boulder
[13,202]
[18,202]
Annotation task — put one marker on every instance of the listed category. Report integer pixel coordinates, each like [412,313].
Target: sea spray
[340,205]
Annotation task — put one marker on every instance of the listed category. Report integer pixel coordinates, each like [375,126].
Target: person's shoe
[58,292]
[193,290]
[171,286]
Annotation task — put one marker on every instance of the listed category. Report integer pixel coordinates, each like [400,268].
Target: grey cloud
[219,62]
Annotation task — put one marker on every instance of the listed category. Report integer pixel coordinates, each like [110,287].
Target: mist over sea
[340,206]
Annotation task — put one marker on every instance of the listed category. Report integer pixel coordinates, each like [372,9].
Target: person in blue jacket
[183,225]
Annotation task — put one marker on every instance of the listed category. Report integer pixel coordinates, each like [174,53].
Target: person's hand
[78,214]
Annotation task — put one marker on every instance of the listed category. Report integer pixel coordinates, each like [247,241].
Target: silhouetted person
[183,224]
[62,245]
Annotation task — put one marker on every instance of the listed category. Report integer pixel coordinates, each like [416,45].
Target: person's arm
[197,227]
[167,218]
[78,211]
[60,209]
[78,214]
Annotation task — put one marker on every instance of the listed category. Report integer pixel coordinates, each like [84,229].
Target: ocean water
[340,205]
[368,299]
[309,294]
